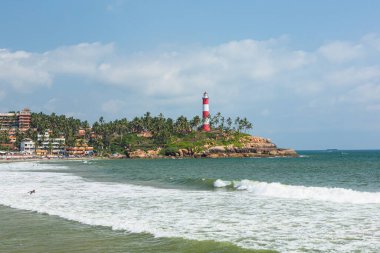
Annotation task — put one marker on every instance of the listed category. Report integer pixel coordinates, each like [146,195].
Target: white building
[54,145]
[43,137]
[27,146]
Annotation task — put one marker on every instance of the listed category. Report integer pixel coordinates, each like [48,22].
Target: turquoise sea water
[320,202]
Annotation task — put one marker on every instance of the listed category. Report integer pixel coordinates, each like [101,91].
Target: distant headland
[26,134]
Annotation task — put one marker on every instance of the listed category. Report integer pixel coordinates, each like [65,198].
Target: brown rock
[137,154]
[217,149]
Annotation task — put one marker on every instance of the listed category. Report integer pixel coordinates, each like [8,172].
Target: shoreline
[52,159]
[127,158]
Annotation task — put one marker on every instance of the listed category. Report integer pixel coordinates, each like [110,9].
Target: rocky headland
[244,146]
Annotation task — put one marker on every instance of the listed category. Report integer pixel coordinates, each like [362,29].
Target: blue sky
[306,73]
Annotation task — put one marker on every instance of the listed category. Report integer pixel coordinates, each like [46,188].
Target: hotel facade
[15,120]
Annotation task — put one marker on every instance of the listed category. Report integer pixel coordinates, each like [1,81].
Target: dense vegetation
[123,134]
[59,125]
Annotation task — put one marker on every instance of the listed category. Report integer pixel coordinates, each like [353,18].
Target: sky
[305,73]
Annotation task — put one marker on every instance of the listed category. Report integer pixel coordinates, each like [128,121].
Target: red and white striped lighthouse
[206,113]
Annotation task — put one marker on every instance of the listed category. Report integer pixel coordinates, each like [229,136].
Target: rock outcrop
[144,154]
[248,146]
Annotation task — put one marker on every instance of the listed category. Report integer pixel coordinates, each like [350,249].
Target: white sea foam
[220,183]
[247,218]
[338,195]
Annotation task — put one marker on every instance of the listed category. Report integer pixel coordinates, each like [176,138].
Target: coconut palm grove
[146,132]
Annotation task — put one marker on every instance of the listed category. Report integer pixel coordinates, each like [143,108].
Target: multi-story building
[15,120]
[27,146]
[24,118]
[46,144]
[8,121]
[81,148]
[45,136]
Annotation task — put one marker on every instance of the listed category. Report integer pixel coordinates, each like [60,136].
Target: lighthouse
[206,113]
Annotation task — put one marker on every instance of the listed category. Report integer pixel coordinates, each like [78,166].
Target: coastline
[245,147]
[52,159]
[142,158]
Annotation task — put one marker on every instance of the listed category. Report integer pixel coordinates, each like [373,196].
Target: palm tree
[195,122]
[101,120]
[50,146]
[4,138]
[182,125]
[34,138]
[61,146]
[229,124]
[216,120]
[147,121]
[237,124]
[246,125]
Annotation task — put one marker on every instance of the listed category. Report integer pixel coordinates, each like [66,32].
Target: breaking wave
[247,216]
[339,195]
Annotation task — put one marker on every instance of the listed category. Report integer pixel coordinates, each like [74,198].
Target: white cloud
[21,71]
[25,71]
[372,40]
[354,75]
[247,63]
[341,51]
[82,59]
[259,72]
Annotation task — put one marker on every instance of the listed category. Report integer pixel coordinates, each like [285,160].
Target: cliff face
[247,146]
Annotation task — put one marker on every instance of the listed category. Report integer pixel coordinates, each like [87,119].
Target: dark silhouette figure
[31,192]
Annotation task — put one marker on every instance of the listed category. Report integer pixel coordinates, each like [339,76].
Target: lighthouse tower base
[206,128]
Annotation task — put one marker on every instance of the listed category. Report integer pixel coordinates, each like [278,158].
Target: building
[81,148]
[80,151]
[12,135]
[45,136]
[27,146]
[24,118]
[15,120]
[53,146]
[81,133]
[47,145]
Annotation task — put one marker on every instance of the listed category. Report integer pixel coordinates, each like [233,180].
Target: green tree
[195,122]
[182,126]
[229,124]
[4,138]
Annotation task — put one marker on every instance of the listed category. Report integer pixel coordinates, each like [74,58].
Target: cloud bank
[258,78]
[339,67]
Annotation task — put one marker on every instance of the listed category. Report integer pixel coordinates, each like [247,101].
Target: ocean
[322,201]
